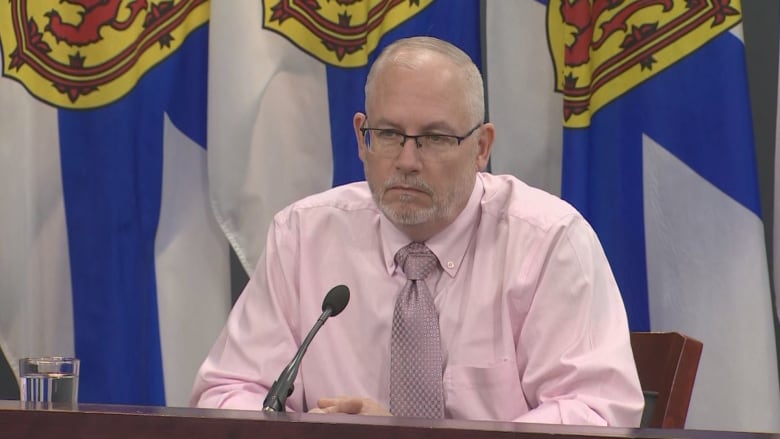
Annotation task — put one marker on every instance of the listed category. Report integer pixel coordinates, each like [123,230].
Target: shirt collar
[449,245]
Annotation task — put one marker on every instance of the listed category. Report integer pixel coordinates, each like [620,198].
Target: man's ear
[357,121]
[487,133]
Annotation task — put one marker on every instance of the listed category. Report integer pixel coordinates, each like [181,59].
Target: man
[519,318]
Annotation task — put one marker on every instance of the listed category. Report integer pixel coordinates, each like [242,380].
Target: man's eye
[437,139]
[386,134]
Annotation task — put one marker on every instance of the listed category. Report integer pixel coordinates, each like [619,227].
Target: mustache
[414,182]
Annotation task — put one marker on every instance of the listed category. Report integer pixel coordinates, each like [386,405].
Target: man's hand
[351,405]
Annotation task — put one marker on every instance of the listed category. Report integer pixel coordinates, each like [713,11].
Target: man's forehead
[429,77]
[417,61]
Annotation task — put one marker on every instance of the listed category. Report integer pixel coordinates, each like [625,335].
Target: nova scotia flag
[109,249]
[663,167]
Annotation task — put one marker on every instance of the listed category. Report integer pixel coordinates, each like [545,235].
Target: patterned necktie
[416,387]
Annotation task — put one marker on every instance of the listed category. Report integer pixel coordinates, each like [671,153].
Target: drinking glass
[49,379]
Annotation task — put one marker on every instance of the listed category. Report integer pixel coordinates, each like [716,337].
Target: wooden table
[87,421]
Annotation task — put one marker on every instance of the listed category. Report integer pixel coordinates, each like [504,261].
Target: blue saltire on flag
[695,112]
[112,179]
[666,174]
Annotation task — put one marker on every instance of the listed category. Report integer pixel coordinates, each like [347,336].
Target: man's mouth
[404,188]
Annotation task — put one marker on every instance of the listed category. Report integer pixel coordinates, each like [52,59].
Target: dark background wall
[761,18]
[8,387]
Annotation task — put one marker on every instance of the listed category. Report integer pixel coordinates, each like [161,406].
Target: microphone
[335,302]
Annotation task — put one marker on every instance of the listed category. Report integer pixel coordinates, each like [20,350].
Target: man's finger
[350,406]
[327,402]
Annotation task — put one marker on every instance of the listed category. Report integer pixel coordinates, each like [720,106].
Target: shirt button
[450,264]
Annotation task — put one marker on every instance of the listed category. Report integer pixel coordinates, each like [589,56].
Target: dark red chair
[667,363]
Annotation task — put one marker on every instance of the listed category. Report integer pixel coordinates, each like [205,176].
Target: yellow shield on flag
[603,48]
[88,53]
[341,33]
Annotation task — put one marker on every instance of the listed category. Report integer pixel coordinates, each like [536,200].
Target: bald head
[413,53]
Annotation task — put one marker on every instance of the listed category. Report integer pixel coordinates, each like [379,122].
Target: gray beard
[408,216]
[443,204]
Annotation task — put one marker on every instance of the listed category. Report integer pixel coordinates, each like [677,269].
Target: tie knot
[416,260]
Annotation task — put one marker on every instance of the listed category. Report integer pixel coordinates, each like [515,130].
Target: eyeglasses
[385,142]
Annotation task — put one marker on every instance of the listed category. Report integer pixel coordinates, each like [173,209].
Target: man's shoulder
[509,198]
[351,197]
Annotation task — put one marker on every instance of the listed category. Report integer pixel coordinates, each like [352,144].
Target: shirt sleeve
[575,343]
[259,338]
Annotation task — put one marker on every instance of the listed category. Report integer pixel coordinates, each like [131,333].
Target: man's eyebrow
[383,124]
[437,127]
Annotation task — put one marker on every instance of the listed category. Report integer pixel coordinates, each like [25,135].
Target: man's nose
[407,138]
[410,155]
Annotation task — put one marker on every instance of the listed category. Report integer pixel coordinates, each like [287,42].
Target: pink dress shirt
[533,326]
